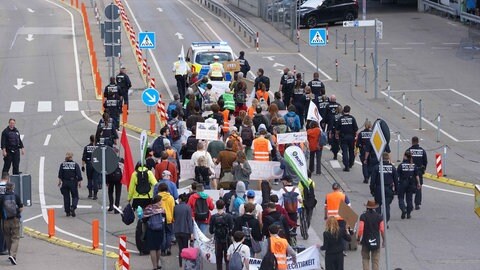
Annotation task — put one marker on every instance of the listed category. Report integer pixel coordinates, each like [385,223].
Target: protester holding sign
[333,237]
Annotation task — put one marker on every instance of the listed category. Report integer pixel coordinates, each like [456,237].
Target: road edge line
[449,181]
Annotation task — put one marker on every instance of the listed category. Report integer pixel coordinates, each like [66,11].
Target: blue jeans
[203,227]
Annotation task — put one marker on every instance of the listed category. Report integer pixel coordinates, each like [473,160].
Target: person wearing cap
[180,69]
[259,118]
[11,219]
[106,133]
[165,165]
[192,202]
[370,228]
[166,178]
[69,180]
[408,183]
[257,210]
[261,146]
[390,182]
[216,71]
[123,84]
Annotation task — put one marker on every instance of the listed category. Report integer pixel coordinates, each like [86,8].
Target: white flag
[313,113]
[182,55]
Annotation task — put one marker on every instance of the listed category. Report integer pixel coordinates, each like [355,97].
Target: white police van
[201,56]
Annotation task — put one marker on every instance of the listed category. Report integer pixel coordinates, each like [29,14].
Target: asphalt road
[440,236]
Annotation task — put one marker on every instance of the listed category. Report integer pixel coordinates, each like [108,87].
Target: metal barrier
[440,7]
[238,24]
[464,16]
[281,15]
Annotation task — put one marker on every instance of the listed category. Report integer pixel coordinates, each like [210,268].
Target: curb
[449,181]
[138,130]
[64,243]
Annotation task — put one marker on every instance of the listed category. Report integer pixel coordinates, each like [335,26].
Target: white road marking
[313,65]
[14,38]
[17,106]
[415,43]
[441,48]
[160,9]
[449,191]
[71,106]
[75,51]
[44,106]
[95,123]
[335,164]
[47,139]
[57,120]
[150,51]
[465,96]
[450,43]
[32,218]
[401,48]
[420,90]
[31,10]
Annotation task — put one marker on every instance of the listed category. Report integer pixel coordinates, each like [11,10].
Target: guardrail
[440,7]
[238,24]
[464,16]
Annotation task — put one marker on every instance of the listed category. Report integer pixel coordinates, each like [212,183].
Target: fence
[282,15]
[445,9]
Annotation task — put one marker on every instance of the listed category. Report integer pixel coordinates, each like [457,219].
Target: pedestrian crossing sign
[317,37]
[147,40]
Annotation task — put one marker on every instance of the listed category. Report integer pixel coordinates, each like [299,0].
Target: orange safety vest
[226,121]
[260,149]
[333,203]
[260,94]
[278,246]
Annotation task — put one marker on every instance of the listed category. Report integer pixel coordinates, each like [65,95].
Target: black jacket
[333,244]
[253,223]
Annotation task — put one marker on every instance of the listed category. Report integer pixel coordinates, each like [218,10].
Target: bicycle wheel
[303,225]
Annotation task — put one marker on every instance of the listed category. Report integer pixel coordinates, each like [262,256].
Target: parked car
[314,12]
[280,9]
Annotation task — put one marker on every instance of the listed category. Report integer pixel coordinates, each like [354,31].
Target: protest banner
[294,137]
[206,245]
[296,160]
[219,87]
[207,131]
[308,259]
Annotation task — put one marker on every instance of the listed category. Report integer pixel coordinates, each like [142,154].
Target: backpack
[290,201]
[174,132]
[291,124]
[171,107]
[323,138]
[10,209]
[190,147]
[143,185]
[220,229]
[236,205]
[236,262]
[155,222]
[309,200]
[236,143]
[247,136]
[158,147]
[269,261]
[227,198]
[201,209]
[128,216]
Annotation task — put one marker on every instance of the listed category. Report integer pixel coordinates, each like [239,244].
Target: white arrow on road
[179,35]
[152,98]
[29,37]
[20,83]
[269,57]
[30,10]
[278,65]
[160,9]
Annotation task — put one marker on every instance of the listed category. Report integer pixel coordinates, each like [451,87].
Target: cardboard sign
[294,137]
[207,131]
[231,66]
[347,213]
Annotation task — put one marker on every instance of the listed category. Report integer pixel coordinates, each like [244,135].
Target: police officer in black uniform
[390,182]
[244,65]
[346,130]
[106,133]
[408,182]
[69,180]
[322,104]
[419,156]
[124,84]
[92,175]
[287,83]
[12,146]
[363,139]
[113,102]
[299,98]
[317,86]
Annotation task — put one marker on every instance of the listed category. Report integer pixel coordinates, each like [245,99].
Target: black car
[314,12]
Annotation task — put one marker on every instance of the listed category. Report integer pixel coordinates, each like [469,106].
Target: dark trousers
[300,110]
[334,261]
[315,157]
[387,206]
[365,171]
[2,239]
[168,236]
[117,186]
[124,95]
[287,97]
[181,85]
[404,192]
[92,178]
[348,151]
[221,255]
[334,145]
[342,224]
[418,193]
[69,188]
[11,159]
[182,242]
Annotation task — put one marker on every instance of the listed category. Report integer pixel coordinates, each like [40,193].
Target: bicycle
[303,223]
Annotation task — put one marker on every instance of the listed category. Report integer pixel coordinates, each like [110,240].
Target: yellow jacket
[132,192]
[168,203]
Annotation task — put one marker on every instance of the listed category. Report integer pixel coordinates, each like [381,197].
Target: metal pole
[354,50]
[297,12]
[386,70]
[146,61]
[420,114]
[366,81]
[364,17]
[398,147]
[438,128]
[384,213]
[376,61]
[356,74]
[444,160]
[336,70]
[336,39]
[403,105]
[345,39]
[317,59]
[104,208]
[113,42]
[388,98]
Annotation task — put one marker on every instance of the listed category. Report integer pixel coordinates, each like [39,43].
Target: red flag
[128,167]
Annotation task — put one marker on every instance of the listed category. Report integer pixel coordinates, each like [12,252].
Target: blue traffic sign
[150,97]
[317,37]
[146,40]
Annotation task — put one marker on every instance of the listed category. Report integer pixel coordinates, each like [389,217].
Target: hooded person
[198,201]
[239,199]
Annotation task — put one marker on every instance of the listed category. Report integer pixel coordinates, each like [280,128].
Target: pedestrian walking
[113,102]
[408,183]
[92,175]
[363,139]
[221,226]
[346,131]
[124,84]
[11,207]
[299,98]
[168,204]
[419,156]
[3,184]
[317,86]
[333,238]
[12,147]
[154,217]
[216,71]
[370,229]
[280,247]
[316,148]
[201,205]
[140,190]
[180,69]
[332,206]
[244,65]
[183,224]
[390,179]
[238,254]
[106,133]
[69,181]
[114,183]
